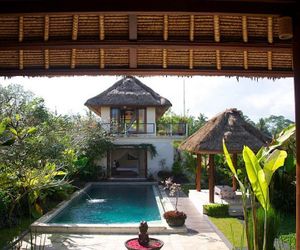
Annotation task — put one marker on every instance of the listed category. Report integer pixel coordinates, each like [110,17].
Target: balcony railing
[158,129]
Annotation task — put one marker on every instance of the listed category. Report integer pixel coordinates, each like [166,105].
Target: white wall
[105,114]
[164,148]
[151,118]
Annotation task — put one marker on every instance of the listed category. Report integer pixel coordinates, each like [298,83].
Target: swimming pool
[110,207]
[110,204]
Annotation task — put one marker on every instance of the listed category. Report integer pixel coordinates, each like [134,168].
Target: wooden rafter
[101,28]
[270,29]
[245,54]
[165,59]
[217,28]
[46,27]
[21,28]
[225,46]
[21,59]
[75,27]
[73,59]
[148,72]
[101,59]
[46,58]
[192,27]
[191,59]
[245,29]
[166,28]
[269,60]
[218,59]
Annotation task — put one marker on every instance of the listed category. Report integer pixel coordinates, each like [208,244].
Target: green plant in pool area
[260,169]
[174,217]
[273,220]
[216,210]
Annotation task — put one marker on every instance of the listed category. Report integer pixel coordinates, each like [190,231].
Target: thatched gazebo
[129,91]
[236,132]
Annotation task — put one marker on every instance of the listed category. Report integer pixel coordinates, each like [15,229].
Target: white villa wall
[164,148]
[105,114]
[151,119]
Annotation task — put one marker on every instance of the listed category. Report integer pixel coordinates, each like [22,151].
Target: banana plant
[260,169]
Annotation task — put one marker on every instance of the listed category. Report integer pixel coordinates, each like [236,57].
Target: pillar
[198,173]
[211,180]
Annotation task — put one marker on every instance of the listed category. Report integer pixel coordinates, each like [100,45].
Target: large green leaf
[231,166]
[2,127]
[284,135]
[273,162]
[256,177]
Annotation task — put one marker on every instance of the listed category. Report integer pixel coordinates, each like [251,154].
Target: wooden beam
[211,180]
[245,29]
[75,27]
[270,29]
[166,28]
[147,72]
[218,59]
[223,46]
[191,59]
[296,63]
[132,27]
[46,59]
[165,59]
[198,172]
[73,59]
[21,28]
[101,28]
[245,53]
[217,34]
[269,56]
[278,7]
[133,58]
[192,27]
[101,59]
[234,181]
[21,59]
[46,28]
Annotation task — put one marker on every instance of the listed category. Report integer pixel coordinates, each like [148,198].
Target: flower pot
[175,222]
[175,218]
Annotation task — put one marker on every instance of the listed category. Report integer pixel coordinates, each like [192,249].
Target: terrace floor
[201,235]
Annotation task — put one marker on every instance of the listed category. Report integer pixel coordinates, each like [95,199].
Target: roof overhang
[171,37]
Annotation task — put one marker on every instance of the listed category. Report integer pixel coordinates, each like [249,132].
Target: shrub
[216,210]
[273,220]
[164,174]
[4,208]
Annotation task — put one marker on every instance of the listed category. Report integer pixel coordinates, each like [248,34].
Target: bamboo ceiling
[143,44]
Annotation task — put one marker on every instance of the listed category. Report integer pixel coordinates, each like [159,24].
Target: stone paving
[201,235]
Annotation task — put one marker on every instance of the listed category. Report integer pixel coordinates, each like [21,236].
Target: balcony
[151,129]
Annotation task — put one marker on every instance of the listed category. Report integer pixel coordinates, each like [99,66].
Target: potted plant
[174,218]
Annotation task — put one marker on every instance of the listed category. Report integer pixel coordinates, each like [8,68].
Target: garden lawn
[232,228]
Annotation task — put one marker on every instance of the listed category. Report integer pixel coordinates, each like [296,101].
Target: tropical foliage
[41,153]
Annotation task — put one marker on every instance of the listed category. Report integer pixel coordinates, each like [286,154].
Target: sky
[207,95]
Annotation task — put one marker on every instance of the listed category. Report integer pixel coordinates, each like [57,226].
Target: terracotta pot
[175,222]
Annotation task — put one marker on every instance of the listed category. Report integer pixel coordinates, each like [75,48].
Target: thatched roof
[229,125]
[129,92]
[143,44]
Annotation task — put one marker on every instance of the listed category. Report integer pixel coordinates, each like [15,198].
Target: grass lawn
[287,229]
[232,228]
[9,234]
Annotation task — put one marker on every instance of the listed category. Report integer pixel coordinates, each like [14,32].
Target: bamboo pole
[191,59]
[217,28]
[101,28]
[101,56]
[46,58]
[46,27]
[21,59]
[245,59]
[218,59]
[73,59]
[270,29]
[165,58]
[166,27]
[269,60]
[75,27]
[192,27]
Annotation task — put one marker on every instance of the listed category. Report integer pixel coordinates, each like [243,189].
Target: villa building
[130,111]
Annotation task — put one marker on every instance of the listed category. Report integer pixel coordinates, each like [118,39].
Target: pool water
[111,204]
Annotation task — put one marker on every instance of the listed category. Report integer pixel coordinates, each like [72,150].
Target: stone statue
[143,235]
